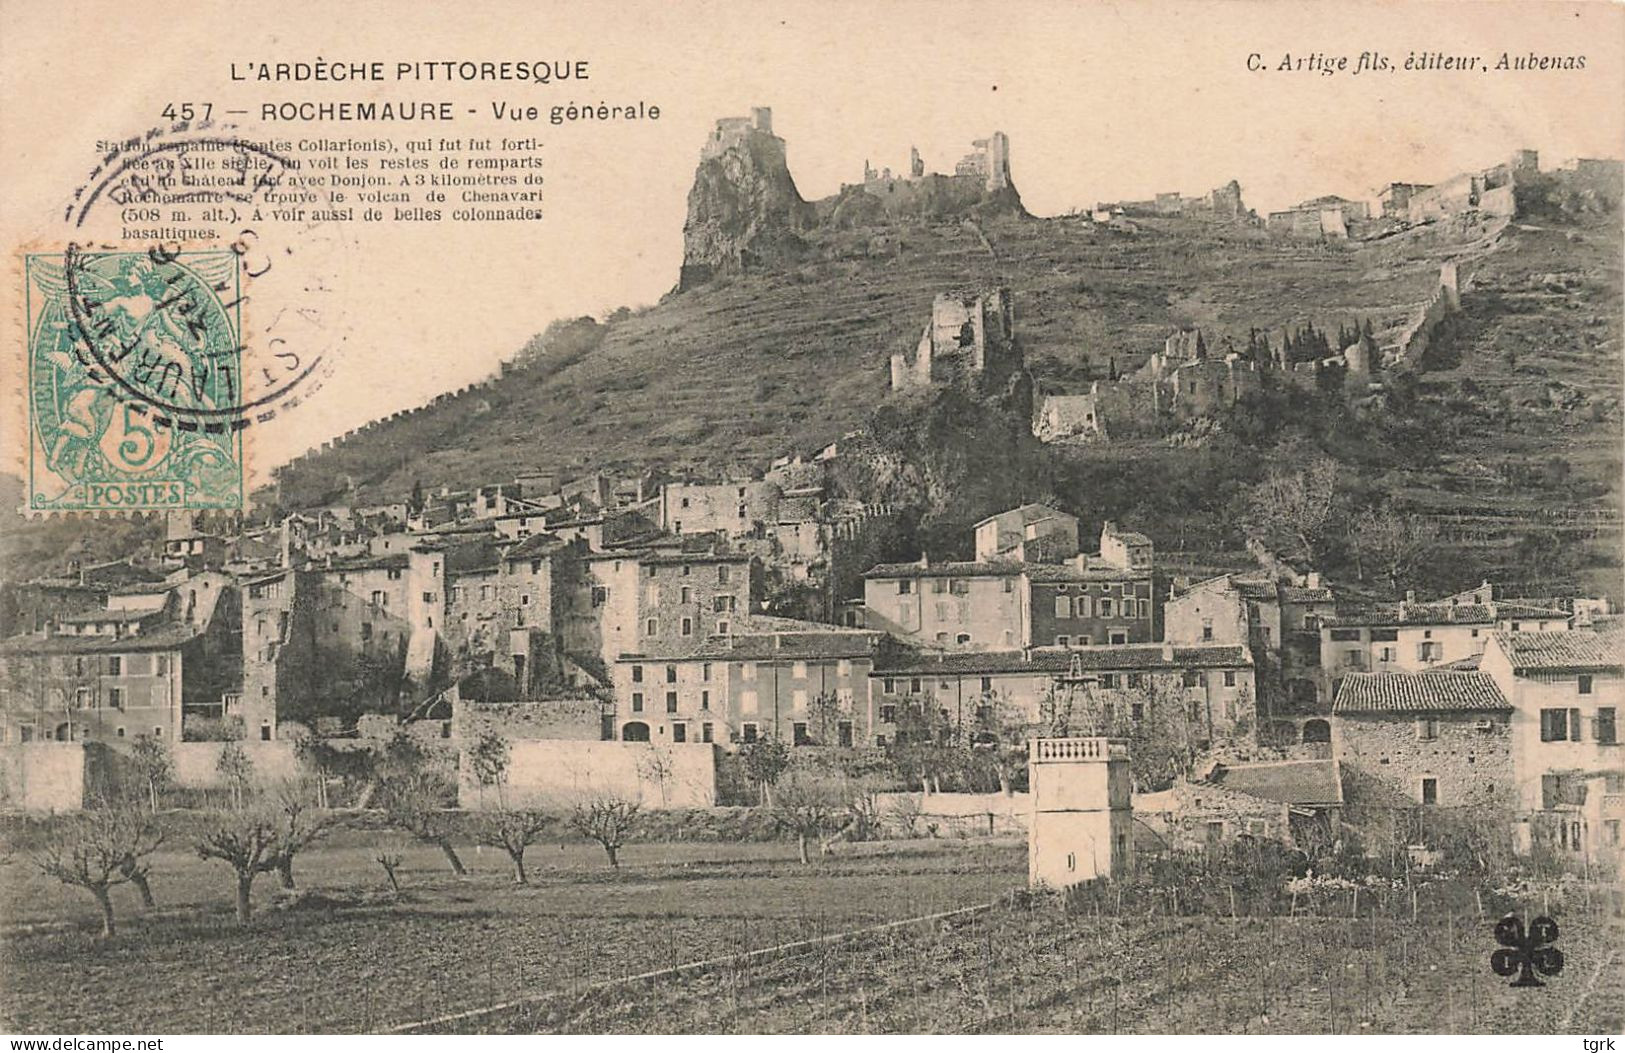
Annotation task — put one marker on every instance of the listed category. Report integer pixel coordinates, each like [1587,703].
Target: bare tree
[658,767]
[414,802]
[513,831]
[152,765]
[765,762]
[98,849]
[1396,544]
[809,806]
[237,769]
[299,825]
[1294,509]
[489,758]
[248,842]
[606,819]
[390,861]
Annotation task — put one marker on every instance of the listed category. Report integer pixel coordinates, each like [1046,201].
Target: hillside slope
[754,365]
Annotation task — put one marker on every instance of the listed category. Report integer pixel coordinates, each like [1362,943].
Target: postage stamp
[132,357]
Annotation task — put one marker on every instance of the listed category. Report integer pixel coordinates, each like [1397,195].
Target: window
[904,587]
[1605,730]
[987,684]
[1429,651]
[1430,791]
[395,574]
[1554,725]
[705,700]
[687,570]
[889,686]
[1105,607]
[81,698]
[1585,685]
[115,697]
[939,585]
[679,732]
[1191,678]
[637,674]
[1136,680]
[1207,628]
[1062,641]
[722,626]
[747,732]
[1229,678]
[1063,606]
[119,733]
[888,714]
[914,686]
[637,701]
[1427,729]
[1136,710]
[366,630]
[1387,654]
[428,597]
[843,733]
[685,594]
[1108,680]
[722,604]
[687,626]
[651,627]
[651,569]
[1118,638]
[115,665]
[707,733]
[799,670]
[600,595]
[962,638]
[1009,585]
[705,672]
[798,735]
[724,573]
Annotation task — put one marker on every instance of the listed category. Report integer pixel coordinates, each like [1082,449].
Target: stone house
[1213,683]
[1277,800]
[1565,690]
[804,687]
[1432,738]
[1032,533]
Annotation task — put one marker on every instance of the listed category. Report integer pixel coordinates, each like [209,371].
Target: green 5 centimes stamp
[132,357]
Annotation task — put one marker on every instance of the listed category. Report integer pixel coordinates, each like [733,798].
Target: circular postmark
[214,308]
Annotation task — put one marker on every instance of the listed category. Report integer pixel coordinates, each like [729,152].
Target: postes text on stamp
[131,355]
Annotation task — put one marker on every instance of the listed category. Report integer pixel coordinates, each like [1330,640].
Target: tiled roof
[162,638]
[1047,572]
[1043,572]
[769,647]
[1303,594]
[536,546]
[388,561]
[1058,661]
[1305,782]
[1577,651]
[1441,613]
[104,615]
[1131,537]
[1430,692]
[1030,513]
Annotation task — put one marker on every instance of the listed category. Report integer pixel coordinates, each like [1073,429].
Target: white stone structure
[1081,826]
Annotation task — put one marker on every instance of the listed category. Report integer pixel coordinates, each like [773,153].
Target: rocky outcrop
[744,210]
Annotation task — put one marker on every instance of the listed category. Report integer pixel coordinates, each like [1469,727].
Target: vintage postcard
[877,518]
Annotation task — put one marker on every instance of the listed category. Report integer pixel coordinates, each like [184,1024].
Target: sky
[1101,101]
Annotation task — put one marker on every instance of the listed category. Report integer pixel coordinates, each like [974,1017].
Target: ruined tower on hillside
[969,340]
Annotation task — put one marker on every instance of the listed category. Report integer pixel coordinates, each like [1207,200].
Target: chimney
[1410,595]
[925,560]
[1314,579]
[1080,561]
[1167,650]
[778,641]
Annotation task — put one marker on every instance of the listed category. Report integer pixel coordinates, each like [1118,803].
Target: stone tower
[1081,827]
